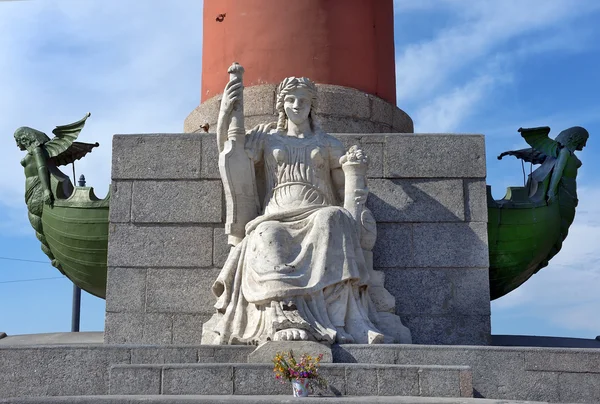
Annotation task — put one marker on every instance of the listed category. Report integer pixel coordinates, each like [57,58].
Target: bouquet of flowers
[288,368]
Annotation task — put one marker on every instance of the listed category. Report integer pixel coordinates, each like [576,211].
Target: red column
[343,42]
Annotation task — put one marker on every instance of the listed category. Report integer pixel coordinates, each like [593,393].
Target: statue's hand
[354,155]
[232,93]
[48,198]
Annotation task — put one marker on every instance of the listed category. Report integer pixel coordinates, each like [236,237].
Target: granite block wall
[167,244]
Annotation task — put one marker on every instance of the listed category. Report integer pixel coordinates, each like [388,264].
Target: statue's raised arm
[235,165]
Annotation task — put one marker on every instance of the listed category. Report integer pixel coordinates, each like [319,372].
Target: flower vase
[300,387]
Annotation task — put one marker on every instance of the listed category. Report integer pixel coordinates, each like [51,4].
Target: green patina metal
[71,223]
[528,226]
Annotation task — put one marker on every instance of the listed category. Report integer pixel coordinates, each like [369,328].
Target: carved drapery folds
[301,266]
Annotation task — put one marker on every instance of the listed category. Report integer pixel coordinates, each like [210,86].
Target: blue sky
[463,66]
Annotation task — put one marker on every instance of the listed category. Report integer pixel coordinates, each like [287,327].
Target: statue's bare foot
[375,337]
[342,337]
[291,334]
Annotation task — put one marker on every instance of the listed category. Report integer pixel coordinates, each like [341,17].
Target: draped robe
[300,264]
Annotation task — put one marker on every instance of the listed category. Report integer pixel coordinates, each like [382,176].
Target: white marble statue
[300,267]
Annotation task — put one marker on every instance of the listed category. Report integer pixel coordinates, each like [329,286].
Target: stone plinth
[167,243]
[338,109]
[502,373]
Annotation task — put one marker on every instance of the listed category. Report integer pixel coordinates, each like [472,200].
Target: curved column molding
[339,110]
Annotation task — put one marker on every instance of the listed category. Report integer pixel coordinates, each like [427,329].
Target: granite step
[231,399]
[345,379]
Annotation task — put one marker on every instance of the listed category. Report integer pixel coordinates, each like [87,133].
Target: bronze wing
[529,155]
[63,149]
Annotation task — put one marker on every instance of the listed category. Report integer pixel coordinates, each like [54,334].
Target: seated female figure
[299,273]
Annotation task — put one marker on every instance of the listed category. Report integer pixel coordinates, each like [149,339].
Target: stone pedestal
[338,109]
[167,244]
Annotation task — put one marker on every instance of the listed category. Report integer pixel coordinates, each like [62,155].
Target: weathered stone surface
[197,379]
[342,101]
[259,100]
[120,202]
[382,111]
[154,355]
[123,328]
[351,353]
[210,157]
[177,202]
[371,113]
[466,383]
[125,289]
[187,328]
[257,379]
[579,387]
[158,329]
[449,329]
[402,122]
[416,200]
[233,354]
[393,382]
[160,246]
[374,152]
[451,245]
[180,290]
[498,372]
[265,353]
[361,380]
[394,246]
[475,201]
[349,140]
[434,156]
[336,381]
[156,156]
[221,247]
[347,124]
[563,360]
[439,382]
[140,379]
[435,291]
[56,370]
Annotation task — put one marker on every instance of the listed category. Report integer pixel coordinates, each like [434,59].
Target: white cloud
[136,68]
[476,46]
[445,113]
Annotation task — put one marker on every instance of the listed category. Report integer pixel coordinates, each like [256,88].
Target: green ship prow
[76,229]
[71,223]
[527,227]
[522,235]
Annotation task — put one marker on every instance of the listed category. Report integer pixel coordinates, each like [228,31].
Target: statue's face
[20,144]
[297,105]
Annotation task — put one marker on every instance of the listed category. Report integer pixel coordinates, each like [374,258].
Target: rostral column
[345,46]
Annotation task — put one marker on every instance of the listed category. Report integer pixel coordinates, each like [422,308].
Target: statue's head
[574,138]
[296,98]
[28,137]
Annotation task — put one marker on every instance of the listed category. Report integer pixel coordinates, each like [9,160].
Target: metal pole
[76,308]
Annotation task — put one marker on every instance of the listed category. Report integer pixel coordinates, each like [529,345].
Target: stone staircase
[344,379]
[157,399]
